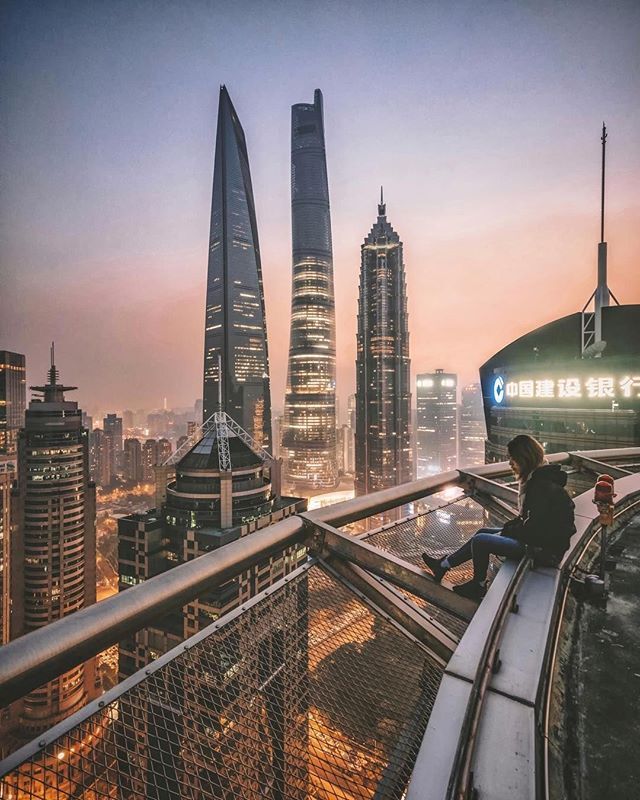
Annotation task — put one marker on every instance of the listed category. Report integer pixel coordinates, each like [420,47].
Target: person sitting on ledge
[545,522]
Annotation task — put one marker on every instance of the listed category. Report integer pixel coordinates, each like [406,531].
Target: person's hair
[527,453]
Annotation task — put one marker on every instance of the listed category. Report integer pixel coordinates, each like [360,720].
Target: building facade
[13,400]
[472,430]
[133,466]
[7,476]
[543,384]
[53,543]
[112,427]
[235,323]
[309,430]
[383,396]
[437,422]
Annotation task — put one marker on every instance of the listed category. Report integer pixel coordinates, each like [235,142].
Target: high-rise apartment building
[437,422]
[472,429]
[12,400]
[133,466]
[7,476]
[383,396]
[53,543]
[235,324]
[309,432]
[164,450]
[149,459]
[112,427]
[101,457]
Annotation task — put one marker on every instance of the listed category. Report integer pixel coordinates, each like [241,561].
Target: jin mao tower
[383,447]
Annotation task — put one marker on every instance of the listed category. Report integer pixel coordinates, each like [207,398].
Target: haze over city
[482,124]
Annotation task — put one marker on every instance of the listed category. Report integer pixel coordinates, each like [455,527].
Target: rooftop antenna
[381,205]
[593,344]
[219,382]
[53,372]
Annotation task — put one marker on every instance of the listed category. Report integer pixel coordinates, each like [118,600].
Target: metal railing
[391,612]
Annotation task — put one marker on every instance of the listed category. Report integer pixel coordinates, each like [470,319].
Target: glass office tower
[437,419]
[235,326]
[383,398]
[309,431]
[13,400]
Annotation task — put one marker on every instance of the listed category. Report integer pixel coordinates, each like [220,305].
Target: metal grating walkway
[438,532]
[302,693]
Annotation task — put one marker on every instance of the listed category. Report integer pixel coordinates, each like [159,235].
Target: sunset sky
[482,120]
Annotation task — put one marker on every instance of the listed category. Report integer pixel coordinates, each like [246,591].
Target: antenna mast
[592,341]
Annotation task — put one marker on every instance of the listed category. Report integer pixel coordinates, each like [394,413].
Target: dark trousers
[480,546]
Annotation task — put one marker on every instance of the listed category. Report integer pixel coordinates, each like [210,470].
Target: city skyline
[498,195]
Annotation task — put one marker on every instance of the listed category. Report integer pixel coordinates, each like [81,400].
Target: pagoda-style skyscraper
[53,544]
[309,429]
[383,399]
[235,326]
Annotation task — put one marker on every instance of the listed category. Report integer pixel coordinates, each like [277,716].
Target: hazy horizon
[482,123]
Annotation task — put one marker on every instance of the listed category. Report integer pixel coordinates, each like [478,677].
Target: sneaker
[435,565]
[471,590]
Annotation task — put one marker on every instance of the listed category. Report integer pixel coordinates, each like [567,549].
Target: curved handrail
[460,779]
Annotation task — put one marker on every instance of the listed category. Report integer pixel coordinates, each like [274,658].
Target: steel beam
[391,568]
[478,483]
[582,461]
[440,642]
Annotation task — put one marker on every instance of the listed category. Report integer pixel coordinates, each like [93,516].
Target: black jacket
[547,516]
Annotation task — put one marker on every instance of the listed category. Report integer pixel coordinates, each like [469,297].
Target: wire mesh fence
[304,693]
[439,532]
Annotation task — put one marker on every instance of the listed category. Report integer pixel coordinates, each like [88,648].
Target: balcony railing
[320,686]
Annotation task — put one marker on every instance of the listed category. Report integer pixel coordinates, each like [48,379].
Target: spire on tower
[54,375]
[382,208]
[603,139]
[53,391]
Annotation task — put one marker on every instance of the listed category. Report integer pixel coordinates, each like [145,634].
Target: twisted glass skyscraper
[235,326]
[383,399]
[309,430]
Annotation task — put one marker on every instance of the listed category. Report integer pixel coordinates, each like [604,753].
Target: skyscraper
[235,323]
[437,413]
[53,542]
[309,433]
[12,400]
[383,399]
[149,459]
[112,426]
[133,467]
[472,428]
[7,476]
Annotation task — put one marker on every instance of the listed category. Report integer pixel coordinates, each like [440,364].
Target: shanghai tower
[309,431]
[235,324]
[383,400]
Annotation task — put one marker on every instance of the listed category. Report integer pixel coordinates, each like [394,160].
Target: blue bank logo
[498,389]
